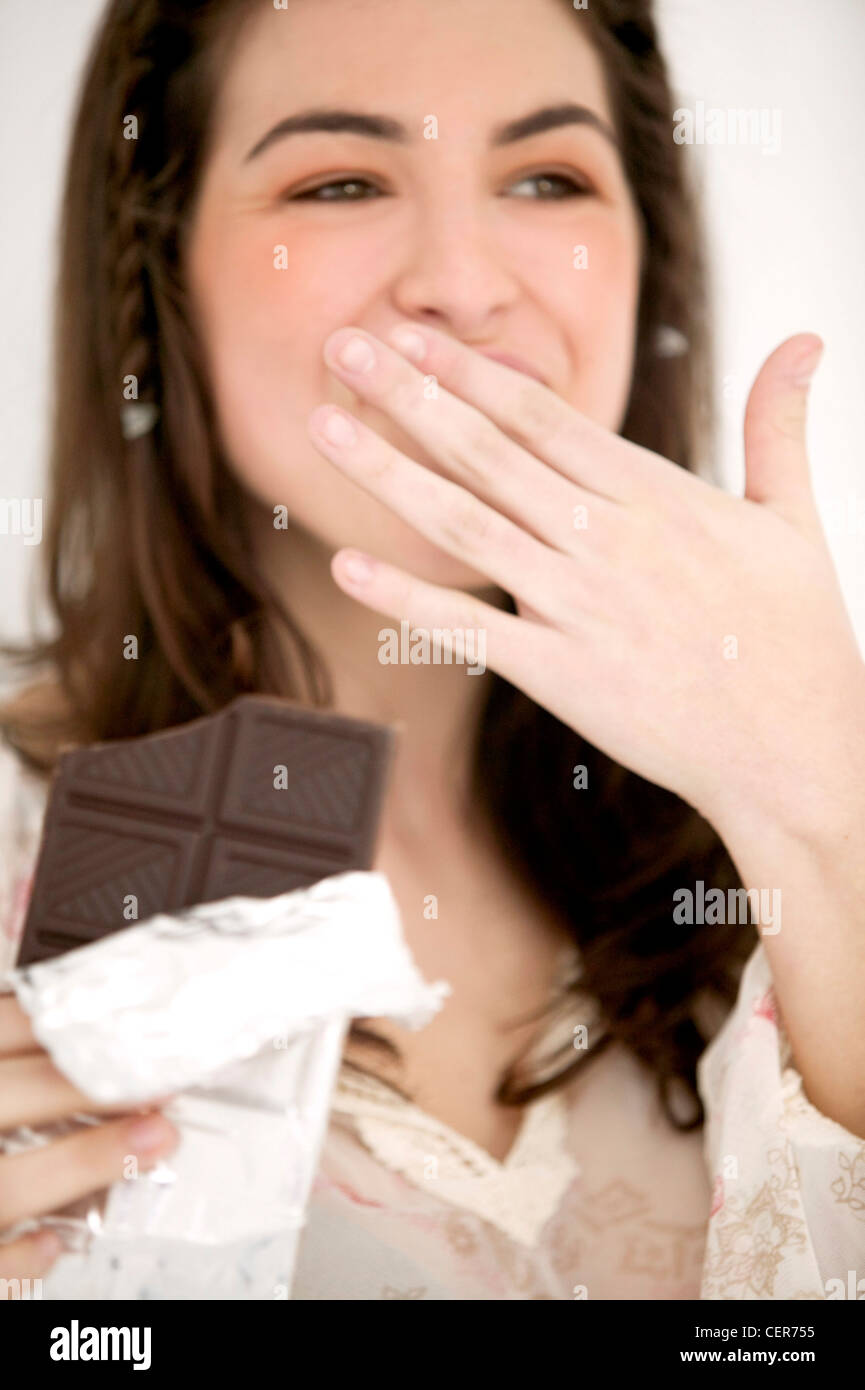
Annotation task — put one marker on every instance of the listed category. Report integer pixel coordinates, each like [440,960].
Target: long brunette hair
[146,535]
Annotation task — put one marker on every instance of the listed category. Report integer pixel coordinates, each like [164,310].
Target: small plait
[129,197]
[637,37]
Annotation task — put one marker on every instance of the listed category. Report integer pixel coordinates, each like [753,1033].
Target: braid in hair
[129,213]
[193,573]
[132,254]
[135,319]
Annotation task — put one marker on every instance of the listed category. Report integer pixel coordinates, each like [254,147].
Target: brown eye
[553,186]
[322,193]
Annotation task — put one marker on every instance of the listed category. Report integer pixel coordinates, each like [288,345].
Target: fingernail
[149,1134]
[357,355]
[356,566]
[409,343]
[807,364]
[336,427]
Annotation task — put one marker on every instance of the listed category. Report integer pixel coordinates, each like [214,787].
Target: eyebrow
[376,127]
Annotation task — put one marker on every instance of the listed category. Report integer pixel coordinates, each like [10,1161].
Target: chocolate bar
[263,797]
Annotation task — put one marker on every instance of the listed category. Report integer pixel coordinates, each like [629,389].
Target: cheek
[263,329]
[604,297]
[265,313]
[265,306]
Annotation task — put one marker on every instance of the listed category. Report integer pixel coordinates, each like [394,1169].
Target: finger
[540,419]
[34,1092]
[518,649]
[776,456]
[31,1257]
[16,1034]
[48,1179]
[467,444]
[452,518]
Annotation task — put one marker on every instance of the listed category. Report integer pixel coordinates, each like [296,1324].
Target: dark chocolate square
[193,814]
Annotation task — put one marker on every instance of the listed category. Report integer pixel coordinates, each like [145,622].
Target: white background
[786,231]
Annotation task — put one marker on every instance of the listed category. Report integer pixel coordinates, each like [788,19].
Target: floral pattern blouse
[599,1197]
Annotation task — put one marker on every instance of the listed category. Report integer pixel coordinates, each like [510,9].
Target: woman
[673,699]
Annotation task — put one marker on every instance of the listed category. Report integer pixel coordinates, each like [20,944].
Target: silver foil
[242,1005]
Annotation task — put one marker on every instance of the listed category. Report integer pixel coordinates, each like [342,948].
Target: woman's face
[434,219]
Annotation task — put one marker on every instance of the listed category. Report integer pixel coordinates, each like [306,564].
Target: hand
[32,1184]
[698,638]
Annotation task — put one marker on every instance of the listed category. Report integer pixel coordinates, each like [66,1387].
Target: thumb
[776,459]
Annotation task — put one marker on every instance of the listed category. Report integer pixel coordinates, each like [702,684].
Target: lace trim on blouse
[518,1195]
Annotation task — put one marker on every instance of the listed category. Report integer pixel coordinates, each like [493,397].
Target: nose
[454,275]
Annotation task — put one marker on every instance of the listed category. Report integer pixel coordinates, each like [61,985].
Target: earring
[138,418]
[670,341]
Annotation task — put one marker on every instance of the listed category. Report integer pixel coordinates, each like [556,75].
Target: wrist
[820,821]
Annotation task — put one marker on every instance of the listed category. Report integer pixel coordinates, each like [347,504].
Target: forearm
[817,954]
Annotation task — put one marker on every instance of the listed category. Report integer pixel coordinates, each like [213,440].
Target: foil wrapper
[242,1006]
